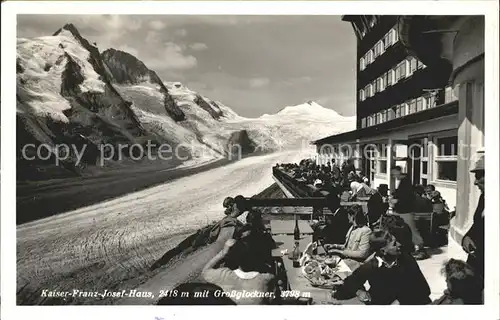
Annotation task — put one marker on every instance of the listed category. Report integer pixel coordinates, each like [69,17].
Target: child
[463,286]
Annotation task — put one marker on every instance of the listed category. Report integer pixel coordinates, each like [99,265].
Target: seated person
[419,190]
[228,204]
[396,226]
[197,294]
[393,275]
[244,256]
[421,203]
[376,208]
[255,232]
[428,189]
[383,189]
[357,244]
[335,228]
[463,287]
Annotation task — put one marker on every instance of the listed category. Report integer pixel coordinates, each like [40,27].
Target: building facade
[453,47]
[419,105]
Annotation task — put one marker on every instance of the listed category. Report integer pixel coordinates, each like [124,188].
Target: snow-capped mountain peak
[308,109]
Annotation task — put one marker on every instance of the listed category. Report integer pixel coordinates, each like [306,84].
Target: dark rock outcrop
[215,113]
[239,141]
[97,117]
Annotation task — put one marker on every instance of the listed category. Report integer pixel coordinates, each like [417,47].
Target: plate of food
[333,261]
[319,274]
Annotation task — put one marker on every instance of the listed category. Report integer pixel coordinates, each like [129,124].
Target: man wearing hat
[473,241]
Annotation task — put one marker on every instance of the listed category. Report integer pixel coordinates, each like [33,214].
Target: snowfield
[43,60]
[112,244]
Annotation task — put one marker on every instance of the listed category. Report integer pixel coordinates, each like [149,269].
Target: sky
[253,64]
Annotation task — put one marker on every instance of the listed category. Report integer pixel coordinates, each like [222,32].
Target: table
[287,227]
[296,279]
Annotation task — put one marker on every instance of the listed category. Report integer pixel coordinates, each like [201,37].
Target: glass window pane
[403,110]
[420,104]
[403,69]
[382,166]
[447,170]
[425,148]
[424,167]
[413,106]
[413,64]
[447,146]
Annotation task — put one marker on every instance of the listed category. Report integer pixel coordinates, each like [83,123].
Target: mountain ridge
[69,92]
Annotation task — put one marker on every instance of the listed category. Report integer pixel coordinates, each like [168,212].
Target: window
[384,115]
[424,167]
[391,114]
[430,101]
[412,106]
[368,90]
[362,65]
[447,146]
[382,158]
[397,111]
[449,95]
[446,170]
[396,35]
[361,95]
[390,77]
[446,158]
[382,83]
[382,166]
[378,85]
[363,123]
[401,70]
[369,56]
[413,65]
[425,149]
[379,48]
[420,104]
[420,65]
[403,109]
[388,40]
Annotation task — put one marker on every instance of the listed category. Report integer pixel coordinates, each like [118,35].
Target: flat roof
[414,118]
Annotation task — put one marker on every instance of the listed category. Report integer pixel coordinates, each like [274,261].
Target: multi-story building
[408,108]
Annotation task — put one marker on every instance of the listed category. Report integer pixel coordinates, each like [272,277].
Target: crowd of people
[350,184]
[383,254]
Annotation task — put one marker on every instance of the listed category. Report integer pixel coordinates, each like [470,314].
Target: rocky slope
[64,96]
